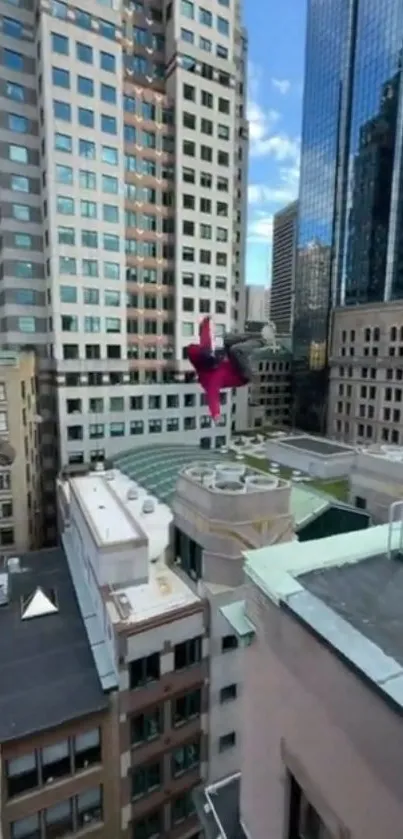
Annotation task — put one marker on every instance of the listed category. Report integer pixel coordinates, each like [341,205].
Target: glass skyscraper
[350,237]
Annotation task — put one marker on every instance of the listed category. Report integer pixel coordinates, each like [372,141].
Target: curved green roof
[156,468]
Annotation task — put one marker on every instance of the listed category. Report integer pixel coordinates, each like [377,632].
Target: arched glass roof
[156,468]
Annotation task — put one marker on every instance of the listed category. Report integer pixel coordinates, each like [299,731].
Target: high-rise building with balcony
[124,154]
[351,199]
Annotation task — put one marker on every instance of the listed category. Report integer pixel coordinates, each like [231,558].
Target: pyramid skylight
[38,606]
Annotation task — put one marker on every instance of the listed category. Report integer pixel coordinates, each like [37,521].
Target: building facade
[269,396]
[257,304]
[312,696]
[109,283]
[283,268]
[21,499]
[349,233]
[366,375]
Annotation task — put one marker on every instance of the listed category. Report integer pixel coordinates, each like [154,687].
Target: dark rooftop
[315,445]
[369,595]
[48,674]
[225,800]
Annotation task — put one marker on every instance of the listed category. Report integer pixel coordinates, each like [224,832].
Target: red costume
[213,379]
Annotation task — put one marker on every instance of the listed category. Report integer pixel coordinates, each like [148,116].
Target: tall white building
[257,303]
[124,145]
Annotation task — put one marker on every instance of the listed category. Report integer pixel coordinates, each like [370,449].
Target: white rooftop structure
[164,592]
[38,606]
[119,511]
[391,453]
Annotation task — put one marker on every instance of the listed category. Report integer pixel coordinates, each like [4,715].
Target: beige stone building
[366,374]
[20,490]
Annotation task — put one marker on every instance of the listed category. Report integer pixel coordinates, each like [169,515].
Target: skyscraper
[351,199]
[124,152]
[283,268]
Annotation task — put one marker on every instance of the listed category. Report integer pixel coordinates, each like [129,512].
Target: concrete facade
[365,374]
[376,480]
[20,474]
[284,254]
[269,396]
[307,715]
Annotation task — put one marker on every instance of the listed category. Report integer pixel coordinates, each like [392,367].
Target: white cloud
[265,139]
[282,85]
[260,229]
[283,192]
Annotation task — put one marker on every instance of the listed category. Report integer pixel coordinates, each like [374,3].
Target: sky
[275,86]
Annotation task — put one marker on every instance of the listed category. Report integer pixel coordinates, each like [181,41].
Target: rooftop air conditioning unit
[14,565]
[110,476]
[132,494]
[148,506]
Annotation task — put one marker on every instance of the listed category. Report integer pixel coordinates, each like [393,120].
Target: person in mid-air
[226,367]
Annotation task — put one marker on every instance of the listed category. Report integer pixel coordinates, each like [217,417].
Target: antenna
[397,506]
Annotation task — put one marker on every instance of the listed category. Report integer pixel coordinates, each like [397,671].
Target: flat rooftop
[113,505]
[223,816]
[314,445]
[164,592]
[348,589]
[48,674]
[369,595]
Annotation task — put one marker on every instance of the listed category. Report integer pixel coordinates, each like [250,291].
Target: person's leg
[241,354]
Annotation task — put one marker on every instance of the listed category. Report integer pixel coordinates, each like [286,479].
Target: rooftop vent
[148,506]
[14,565]
[4,590]
[110,476]
[201,473]
[229,472]
[230,486]
[39,605]
[99,466]
[132,494]
[261,482]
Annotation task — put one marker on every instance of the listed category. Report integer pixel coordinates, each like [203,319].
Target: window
[55,761]
[60,44]
[187,36]
[66,235]
[182,807]
[205,44]
[65,205]
[223,26]
[59,819]
[187,9]
[69,323]
[18,154]
[89,807]
[85,86]
[84,53]
[61,78]
[13,60]
[88,209]
[87,179]
[188,120]
[19,183]
[205,17]
[111,242]
[110,213]
[86,148]
[228,693]
[64,174]
[188,653]
[227,741]
[146,727]
[21,212]
[189,92]
[63,142]
[91,323]
[108,93]
[22,774]
[108,124]
[228,643]
[186,707]
[62,110]
[15,91]
[146,779]
[111,298]
[18,124]
[28,828]
[23,241]
[144,670]
[86,117]
[189,148]
[68,294]
[107,62]
[89,267]
[109,155]
[150,826]
[110,184]
[185,758]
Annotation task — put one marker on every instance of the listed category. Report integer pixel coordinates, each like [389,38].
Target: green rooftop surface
[275,569]
[157,467]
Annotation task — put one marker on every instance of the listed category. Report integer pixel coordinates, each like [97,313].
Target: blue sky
[276,57]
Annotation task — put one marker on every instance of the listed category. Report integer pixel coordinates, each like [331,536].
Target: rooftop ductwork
[229,472]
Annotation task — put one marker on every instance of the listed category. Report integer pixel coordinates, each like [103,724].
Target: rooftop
[120,510]
[315,445]
[348,589]
[40,627]
[156,468]
[218,809]
[394,454]
[163,593]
